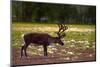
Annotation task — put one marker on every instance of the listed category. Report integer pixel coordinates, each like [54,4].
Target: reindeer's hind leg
[22,51]
[25,48]
[22,48]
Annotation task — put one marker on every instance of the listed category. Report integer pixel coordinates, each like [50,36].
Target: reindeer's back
[37,38]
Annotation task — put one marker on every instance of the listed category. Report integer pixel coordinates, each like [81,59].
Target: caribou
[43,39]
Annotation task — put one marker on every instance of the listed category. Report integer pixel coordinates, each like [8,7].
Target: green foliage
[34,11]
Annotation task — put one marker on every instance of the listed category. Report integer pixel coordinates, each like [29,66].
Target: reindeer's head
[60,33]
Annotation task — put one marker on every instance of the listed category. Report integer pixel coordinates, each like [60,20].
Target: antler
[62,28]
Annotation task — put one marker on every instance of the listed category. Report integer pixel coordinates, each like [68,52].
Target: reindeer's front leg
[45,50]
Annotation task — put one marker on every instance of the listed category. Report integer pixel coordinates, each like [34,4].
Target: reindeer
[43,39]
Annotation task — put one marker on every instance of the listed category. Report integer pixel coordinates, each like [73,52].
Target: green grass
[84,33]
[90,36]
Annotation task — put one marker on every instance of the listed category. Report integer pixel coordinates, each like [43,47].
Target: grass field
[79,42]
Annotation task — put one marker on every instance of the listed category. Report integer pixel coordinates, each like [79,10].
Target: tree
[63,13]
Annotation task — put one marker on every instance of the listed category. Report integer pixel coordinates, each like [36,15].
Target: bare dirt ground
[56,57]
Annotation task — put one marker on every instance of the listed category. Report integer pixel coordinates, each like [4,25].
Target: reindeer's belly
[40,41]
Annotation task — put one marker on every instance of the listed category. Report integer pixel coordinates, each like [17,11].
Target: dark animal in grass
[43,39]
